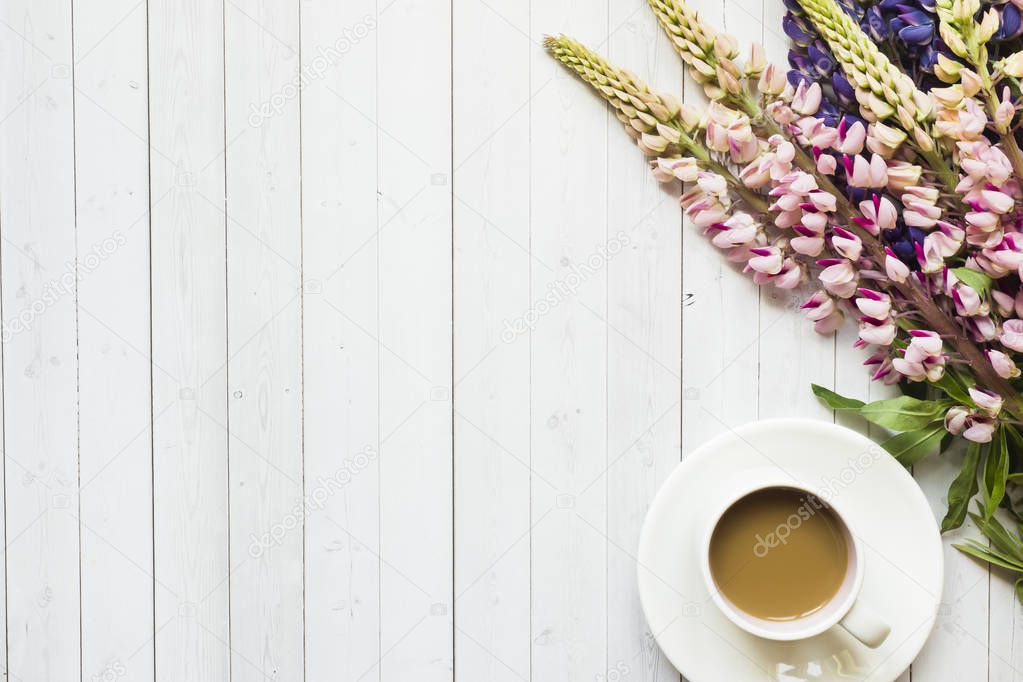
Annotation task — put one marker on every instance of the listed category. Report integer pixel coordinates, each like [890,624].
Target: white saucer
[904,564]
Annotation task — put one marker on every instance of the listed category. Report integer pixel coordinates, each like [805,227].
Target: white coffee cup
[845,609]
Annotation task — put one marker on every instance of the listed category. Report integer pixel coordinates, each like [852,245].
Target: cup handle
[863,624]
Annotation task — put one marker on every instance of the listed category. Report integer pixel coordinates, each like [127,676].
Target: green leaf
[963,488]
[973,279]
[1019,590]
[953,389]
[1002,540]
[912,446]
[904,413]
[996,472]
[835,401]
[981,552]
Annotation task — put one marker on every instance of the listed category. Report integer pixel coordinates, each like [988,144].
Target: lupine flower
[884,165]
[823,312]
[1003,364]
[923,359]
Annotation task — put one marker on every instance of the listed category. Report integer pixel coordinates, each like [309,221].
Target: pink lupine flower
[930,259]
[821,201]
[919,212]
[772,80]
[685,169]
[827,164]
[1006,257]
[877,332]
[996,201]
[903,175]
[1005,110]
[885,372]
[964,120]
[1012,334]
[874,303]
[807,100]
[955,419]
[896,270]
[766,260]
[923,359]
[946,240]
[966,299]
[1003,365]
[884,139]
[791,275]
[988,402]
[815,133]
[838,277]
[878,214]
[980,328]
[739,230]
[979,430]
[851,138]
[729,131]
[1004,303]
[863,173]
[809,242]
[846,243]
[822,311]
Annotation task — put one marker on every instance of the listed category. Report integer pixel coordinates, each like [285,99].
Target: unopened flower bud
[726,46]
[1013,65]
[728,82]
[988,26]
[757,61]
[970,82]
[923,140]
[947,70]
[772,81]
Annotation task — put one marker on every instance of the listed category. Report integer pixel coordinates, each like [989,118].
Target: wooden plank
[414,280]
[792,355]
[568,225]
[189,340]
[958,647]
[112,175]
[720,316]
[644,349]
[1006,627]
[340,348]
[264,256]
[492,265]
[37,225]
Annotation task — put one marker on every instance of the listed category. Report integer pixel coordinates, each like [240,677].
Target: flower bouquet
[883,166]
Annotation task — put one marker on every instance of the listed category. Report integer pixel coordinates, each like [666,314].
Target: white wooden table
[372,378]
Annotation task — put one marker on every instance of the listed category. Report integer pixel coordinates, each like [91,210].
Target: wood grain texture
[568,225]
[492,102]
[115,437]
[341,340]
[37,224]
[351,341]
[264,366]
[415,333]
[644,355]
[189,340]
